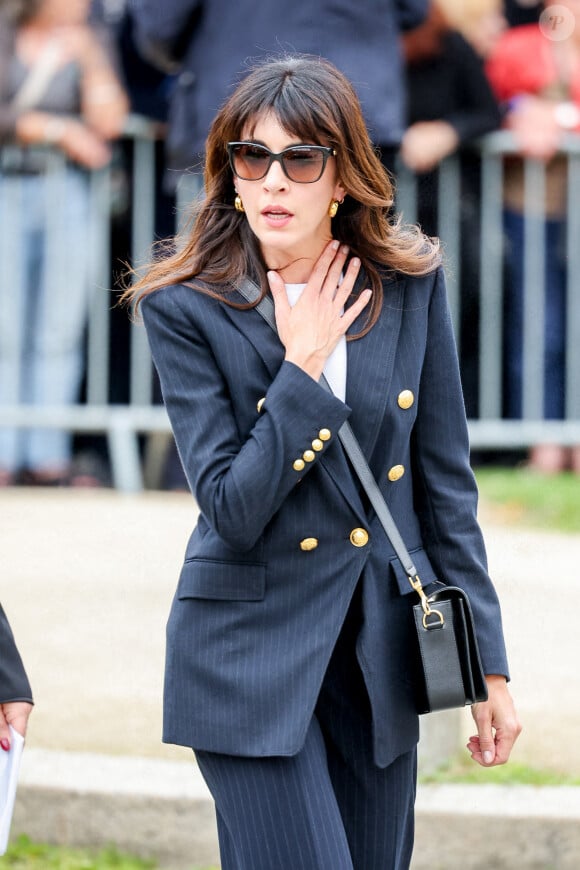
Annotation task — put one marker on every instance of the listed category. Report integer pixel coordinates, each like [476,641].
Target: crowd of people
[431,76]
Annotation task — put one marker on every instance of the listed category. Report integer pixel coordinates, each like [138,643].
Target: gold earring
[238,204]
[333,208]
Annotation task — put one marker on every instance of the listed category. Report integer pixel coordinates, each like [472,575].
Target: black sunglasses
[302,163]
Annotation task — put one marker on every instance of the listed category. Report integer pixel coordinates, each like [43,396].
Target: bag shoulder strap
[38,77]
[265,307]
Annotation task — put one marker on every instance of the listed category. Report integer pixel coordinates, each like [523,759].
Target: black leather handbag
[448,671]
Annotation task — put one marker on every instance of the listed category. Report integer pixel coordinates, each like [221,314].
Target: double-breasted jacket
[283,535]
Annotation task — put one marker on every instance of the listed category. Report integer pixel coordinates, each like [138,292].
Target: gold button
[298,465]
[308,455]
[324,434]
[260,403]
[359,537]
[396,472]
[308,544]
[317,444]
[405,399]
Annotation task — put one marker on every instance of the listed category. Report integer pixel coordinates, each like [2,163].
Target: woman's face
[289,218]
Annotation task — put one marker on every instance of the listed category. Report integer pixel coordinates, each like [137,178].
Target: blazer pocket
[423,566]
[222,581]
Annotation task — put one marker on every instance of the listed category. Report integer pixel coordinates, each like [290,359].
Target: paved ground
[87,580]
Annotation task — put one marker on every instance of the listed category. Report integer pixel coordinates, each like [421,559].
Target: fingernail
[344,249]
[335,245]
[488,756]
[5,744]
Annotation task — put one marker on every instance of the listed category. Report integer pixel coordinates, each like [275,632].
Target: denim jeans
[554,317]
[44,298]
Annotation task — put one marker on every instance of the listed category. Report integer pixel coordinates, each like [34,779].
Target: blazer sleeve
[239,479]
[14,685]
[163,30]
[445,489]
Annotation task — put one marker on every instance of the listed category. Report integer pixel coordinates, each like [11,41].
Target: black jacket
[14,685]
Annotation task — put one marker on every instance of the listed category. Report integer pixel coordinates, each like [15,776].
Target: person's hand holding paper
[13,713]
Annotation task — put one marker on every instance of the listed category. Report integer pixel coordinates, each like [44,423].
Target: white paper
[9,767]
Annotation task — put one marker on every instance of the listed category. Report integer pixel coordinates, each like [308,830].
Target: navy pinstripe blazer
[256,616]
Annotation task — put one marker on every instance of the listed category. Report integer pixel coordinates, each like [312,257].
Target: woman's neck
[297,272]
[293,268]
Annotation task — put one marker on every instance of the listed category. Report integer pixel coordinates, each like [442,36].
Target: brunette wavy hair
[18,12]
[314,102]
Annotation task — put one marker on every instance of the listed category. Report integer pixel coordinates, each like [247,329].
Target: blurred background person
[480,22]
[149,89]
[57,88]
[537,78]
[210,45]
[15,692]
[450,104]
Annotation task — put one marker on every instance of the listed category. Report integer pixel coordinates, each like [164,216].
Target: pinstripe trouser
[329,807]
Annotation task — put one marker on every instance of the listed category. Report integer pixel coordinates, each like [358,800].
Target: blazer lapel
[370,362]
[263,338]
[267,344]
[369,371]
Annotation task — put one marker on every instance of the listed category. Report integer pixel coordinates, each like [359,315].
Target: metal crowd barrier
[487,428]
[122,424]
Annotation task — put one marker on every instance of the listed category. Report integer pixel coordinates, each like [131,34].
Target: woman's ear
[339,192]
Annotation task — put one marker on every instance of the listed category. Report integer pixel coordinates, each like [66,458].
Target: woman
[15,693]
[285,669]
[57,88]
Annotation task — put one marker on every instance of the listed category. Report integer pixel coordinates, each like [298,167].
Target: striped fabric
[329,807]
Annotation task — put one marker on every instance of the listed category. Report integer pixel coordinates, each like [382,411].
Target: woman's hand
[13,713]
[312,328]
[426,143]
[72,136]
[83,145]
[534,126]
[498,726]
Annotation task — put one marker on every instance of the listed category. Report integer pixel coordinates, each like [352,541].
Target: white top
[335,366]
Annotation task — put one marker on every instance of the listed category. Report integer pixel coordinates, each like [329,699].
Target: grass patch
[463,770]
[23,854]
[524,497]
